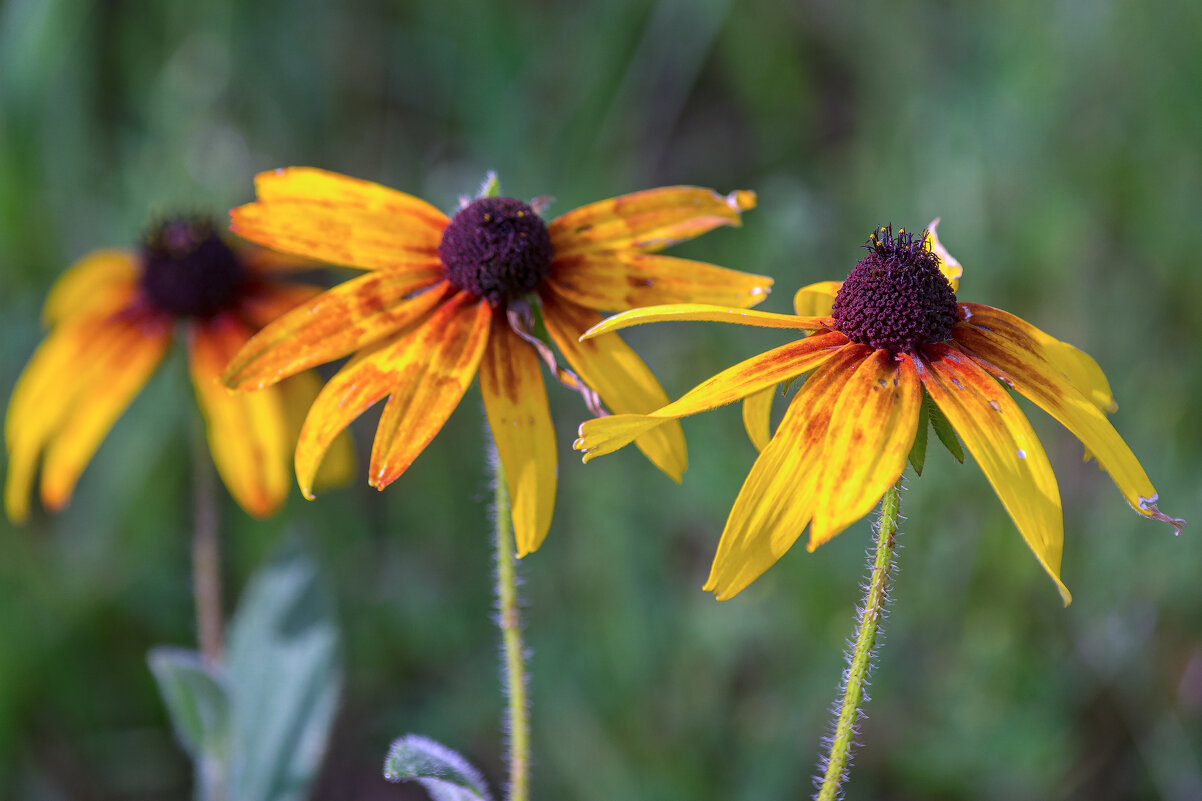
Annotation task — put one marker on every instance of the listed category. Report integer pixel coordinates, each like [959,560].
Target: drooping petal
[515,402]
[312,185]
[777,498]
[77,383]
[872,428]
[701,312]
[1020,362]
[816,300]
[950,268]
[338,464]
[607,434]
[623,381]
[616,280]
[1077,366]
[649,221]
[998,436]
[431,374]
[247,431]
[757,416]
[99,283]
[351,316]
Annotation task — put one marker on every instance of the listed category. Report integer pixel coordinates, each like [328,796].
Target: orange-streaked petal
[1019,362]
[432,374]
[515,402]
[247,431]
[872,428]
[649,221]
[367,240]
[623,381]
[353,315]
[701,312]
[1077,366]
[270,301]
[950,268]
[998,436]
[616,280]
[313,185]
[338,465]
[777,498]
[101,282]
[607,434]
[81,362]
[757,417]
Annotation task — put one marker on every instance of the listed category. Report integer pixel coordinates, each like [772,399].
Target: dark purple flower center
[896,297]
[497,248]
[188,271]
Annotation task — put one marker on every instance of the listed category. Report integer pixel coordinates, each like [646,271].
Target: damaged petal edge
[1147,506]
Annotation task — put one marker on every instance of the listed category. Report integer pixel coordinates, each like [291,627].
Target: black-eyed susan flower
[113,316]
[446,298]
[892,331]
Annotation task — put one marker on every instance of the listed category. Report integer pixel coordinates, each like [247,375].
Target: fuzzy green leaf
[444,774]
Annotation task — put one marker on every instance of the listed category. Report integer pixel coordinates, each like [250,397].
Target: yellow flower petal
[998,436]
[273,300]
[1020,362]
[77,383]
[247,431]
[1077,366]
[349,317]
[777,498]
[515,402]
[605,435]
[872,428]
[816,300]
[622,380]
[340,235]
[649,221]
[99,283]
[613,281]
[431,374]
[311,185]
[757,416]
[338,465]
[950,268]
[705,313]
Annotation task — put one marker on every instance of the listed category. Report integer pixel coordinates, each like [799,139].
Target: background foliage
[1058,141]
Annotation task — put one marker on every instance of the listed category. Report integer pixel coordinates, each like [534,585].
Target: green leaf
[943,430]
[196,698]
[198,702]
[445,774]
[918,451]
[284,677]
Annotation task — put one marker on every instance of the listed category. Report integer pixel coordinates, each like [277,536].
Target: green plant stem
[509,619]
[861,655]
[206,550]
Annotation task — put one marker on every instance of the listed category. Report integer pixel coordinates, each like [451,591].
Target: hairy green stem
[861,655]
[509,619]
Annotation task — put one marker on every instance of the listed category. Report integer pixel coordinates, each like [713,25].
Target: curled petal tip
[1147,507]
[741,200]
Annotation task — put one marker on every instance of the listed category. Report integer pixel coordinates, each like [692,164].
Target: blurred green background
[1058,141]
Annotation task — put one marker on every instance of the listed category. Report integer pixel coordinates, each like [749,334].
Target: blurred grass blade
[284,677]
[198,704]
[445,774]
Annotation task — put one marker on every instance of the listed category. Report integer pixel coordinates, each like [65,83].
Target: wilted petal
[680,312]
